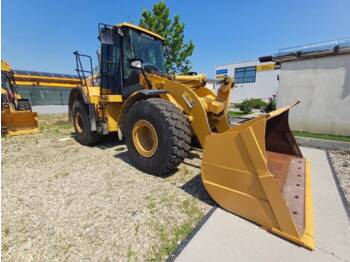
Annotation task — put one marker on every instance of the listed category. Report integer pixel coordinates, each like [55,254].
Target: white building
[252,79]
[318,76]
[212,84]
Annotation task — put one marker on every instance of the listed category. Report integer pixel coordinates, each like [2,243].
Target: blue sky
[42,34]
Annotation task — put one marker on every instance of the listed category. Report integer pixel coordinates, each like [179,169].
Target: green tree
[158,21]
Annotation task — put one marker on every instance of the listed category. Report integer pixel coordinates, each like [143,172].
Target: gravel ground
[65,201]
[341,163]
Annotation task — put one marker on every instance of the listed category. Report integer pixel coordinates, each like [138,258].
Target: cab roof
[140,29]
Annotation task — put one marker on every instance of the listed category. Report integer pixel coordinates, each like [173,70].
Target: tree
[158,21]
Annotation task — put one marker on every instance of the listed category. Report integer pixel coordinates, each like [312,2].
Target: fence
[44,95]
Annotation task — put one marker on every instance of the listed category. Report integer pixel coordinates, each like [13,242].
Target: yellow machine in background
[17,117]
[255,170]
[39,79]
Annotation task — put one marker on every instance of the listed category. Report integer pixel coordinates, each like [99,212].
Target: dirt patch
[65,201]
[341,163]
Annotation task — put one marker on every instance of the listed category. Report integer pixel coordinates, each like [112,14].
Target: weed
[151,203]
[131,253]
[137,228]
[5,247]
[171,236]
[58,175]
[6,231]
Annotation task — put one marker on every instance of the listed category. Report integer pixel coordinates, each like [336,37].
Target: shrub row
[247,105]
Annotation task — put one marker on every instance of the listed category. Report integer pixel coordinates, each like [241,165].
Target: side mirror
[106,35]
[136,63]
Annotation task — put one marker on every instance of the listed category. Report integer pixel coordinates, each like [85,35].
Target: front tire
[82,127]
[157,135]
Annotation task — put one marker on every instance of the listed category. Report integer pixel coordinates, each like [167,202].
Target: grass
[170,236]
[55,124]
[237,113]
[131,254]
[322,136]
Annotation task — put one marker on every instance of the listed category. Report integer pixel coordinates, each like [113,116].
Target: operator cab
[120,46]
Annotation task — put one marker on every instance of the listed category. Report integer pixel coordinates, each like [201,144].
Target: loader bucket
[256,170]
[19,122]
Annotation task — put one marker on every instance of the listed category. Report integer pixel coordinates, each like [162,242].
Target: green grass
[131,254]
[322,136]
[55,124]
[170,236]
[237,113]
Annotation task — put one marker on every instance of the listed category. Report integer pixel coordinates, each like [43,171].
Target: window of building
[245,74]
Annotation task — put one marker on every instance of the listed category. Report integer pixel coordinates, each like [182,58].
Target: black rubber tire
[173,132]
[24,105]
[87,137]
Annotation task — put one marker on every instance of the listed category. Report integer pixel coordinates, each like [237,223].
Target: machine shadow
[193,187]
[124,156]
[196,188]
[109,141]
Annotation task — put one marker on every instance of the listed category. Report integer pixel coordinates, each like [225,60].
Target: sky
[41,35]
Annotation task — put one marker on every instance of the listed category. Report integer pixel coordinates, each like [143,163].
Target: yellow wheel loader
[255,170]
[17,117]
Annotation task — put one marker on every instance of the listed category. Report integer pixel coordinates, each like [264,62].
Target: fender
[136,96]
[78,94]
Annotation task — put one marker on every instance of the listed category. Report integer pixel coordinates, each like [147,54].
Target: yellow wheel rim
[79,123]
[145,138]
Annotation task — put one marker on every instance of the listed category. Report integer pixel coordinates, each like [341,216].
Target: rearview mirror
[106,35]
[136,63]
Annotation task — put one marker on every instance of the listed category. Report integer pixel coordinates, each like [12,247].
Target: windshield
[150,50]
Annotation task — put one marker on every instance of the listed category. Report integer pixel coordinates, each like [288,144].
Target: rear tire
[172,135]
[24,105]
[82,127]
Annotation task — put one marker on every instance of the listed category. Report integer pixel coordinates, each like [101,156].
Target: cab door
[110,62]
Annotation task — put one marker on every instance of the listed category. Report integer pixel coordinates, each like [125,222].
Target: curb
[185,241]
[322,144]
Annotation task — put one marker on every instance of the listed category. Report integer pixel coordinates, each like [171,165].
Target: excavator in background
[255,169]
[17,117]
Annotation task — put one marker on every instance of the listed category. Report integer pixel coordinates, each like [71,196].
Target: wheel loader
[17,117]
[254,170]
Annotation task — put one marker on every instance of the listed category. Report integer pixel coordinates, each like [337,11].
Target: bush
[245,107]
[257,103]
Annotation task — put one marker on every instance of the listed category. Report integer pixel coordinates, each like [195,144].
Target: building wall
[323,87]
[264,87]
[212,84]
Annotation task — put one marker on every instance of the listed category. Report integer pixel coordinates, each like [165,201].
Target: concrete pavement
[226,237]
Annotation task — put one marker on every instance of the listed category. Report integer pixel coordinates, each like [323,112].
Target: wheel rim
[79,123]
[145,138]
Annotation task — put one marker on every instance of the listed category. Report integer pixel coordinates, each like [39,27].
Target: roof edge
[141,29]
